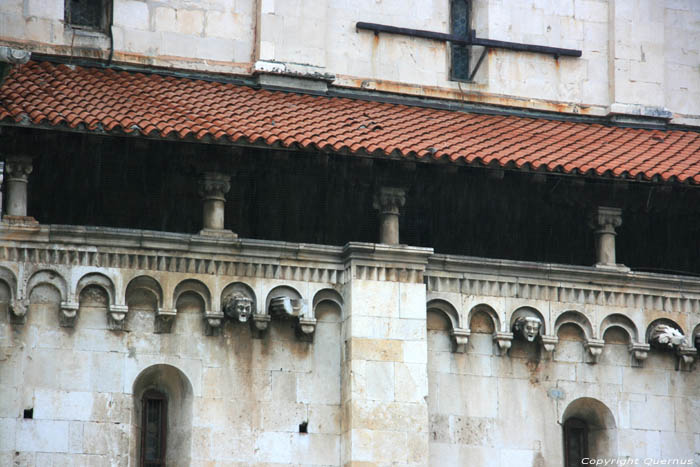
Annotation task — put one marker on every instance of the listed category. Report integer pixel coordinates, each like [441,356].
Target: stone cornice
[562,283]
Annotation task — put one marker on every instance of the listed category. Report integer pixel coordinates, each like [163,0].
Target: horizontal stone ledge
[554,274]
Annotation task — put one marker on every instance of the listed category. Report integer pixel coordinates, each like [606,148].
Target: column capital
[606,219]
[389,200]
[214,185]
[18,168]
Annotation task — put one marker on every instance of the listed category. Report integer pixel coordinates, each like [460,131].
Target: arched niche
[48,287]
[695,337]
[621,322]
[282,291]
[144,298]
[190,288]
[96,293]
[96,281]
[177,389]
[459,335]
[676,341]
[286,302]
[326,296]
[447,309]
[600,425]
[528,311]
[572,318]
[483,319]
[144,292]
[9,296]
[238,301]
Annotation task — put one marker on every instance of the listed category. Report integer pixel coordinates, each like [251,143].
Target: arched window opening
[589,431]
[575,442]
[153,428]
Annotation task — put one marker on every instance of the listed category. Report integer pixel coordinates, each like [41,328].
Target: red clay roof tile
[155,105]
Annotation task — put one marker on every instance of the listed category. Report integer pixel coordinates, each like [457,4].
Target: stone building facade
[280,232]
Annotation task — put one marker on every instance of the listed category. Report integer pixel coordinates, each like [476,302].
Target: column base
[218,233]
[612,267]
[22,222]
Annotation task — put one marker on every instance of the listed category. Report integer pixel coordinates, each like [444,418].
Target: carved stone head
[238,306]
[528,327]
[667,336]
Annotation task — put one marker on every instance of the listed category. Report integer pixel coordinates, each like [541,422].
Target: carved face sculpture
[238,307]
[243,308]
[528,327]
[667,336]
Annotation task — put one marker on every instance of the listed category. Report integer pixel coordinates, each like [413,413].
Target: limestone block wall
[214,35]
[498,399]
[234,395]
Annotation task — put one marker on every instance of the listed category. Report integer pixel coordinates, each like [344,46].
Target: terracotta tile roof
[43,93]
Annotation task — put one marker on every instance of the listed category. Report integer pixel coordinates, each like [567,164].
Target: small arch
[528,311]
[447,309]
[574,318]
[599,423]
[196,287]
[48,277]
[8,278]
[241,288]
[144,287]
[483,308]
[666,321]
[695,337]
[327,295]
[282,291]
[97,280]
[177,389]
[620,321]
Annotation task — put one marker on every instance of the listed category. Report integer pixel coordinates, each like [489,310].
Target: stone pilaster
[385,376]
[604,221]
[389,202]
[17,170]
[213,187]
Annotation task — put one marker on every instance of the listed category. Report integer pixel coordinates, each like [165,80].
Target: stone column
[389,202]
[384,368]
[213,187]
[17,170]
[604,221]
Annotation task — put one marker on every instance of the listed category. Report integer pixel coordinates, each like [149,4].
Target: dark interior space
[327,199]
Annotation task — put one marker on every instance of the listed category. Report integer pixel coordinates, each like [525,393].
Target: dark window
[459,25]
[575,442]
[89,14]
[153,428]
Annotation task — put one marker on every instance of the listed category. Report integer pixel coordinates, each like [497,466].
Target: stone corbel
[686,357]
[259,323]
[306,328]
[116,317]
[213,323]
[68,314]
[639,352]
[549,343]
[164,320]
[460,338]
[504,341]
[594,348]
[18,312]
[294,308]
